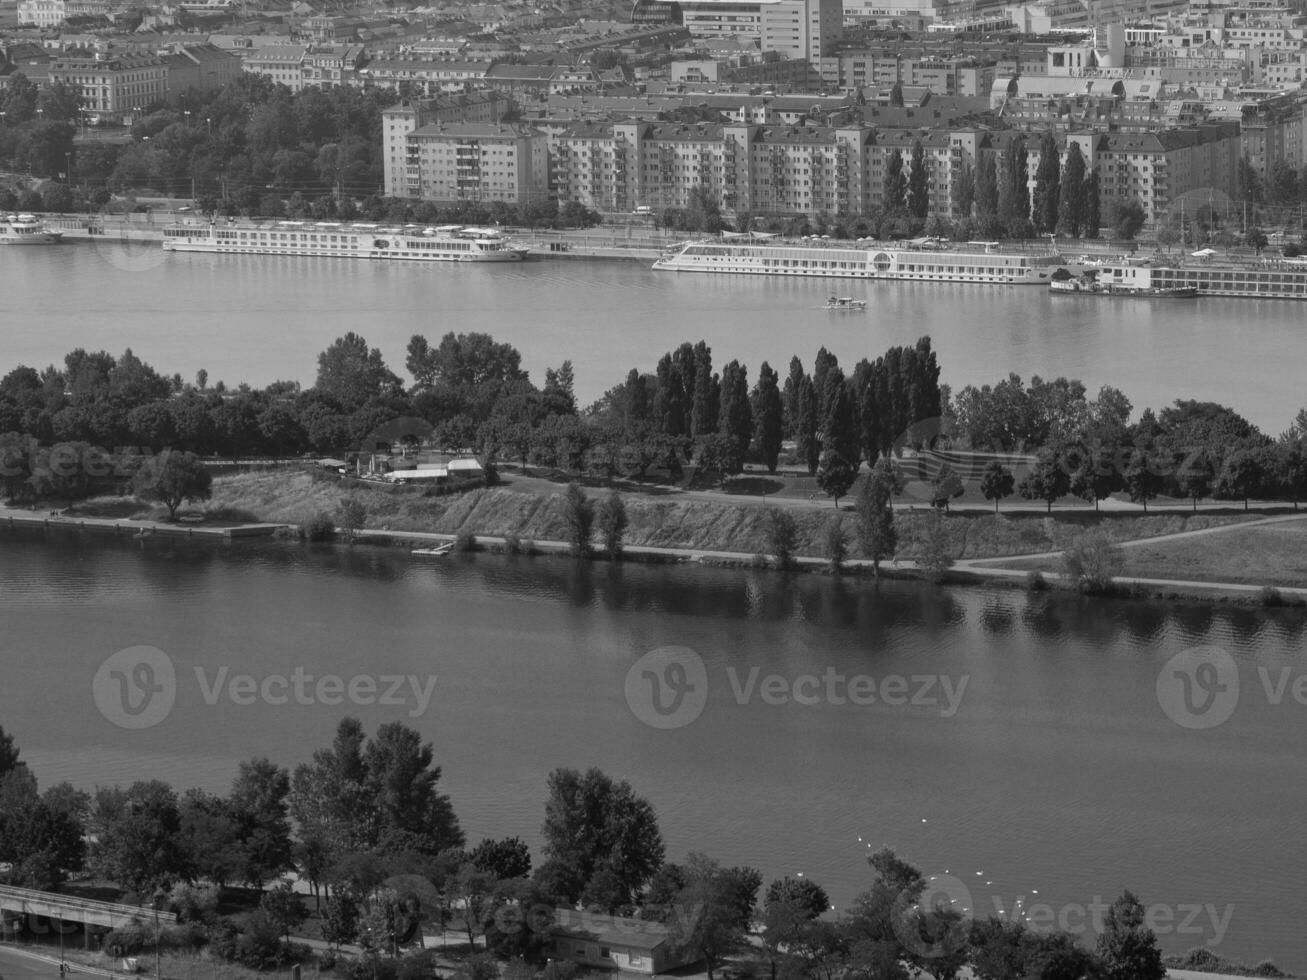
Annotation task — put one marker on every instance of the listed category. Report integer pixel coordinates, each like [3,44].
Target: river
[1037,765]
[262,318]
[1051,774]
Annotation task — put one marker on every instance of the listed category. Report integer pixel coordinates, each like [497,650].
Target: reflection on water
[1058,771]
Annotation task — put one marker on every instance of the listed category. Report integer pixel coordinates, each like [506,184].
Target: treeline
[1089,448]
[469,392]
[364,823]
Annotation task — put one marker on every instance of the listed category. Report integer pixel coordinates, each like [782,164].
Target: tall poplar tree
[1071,216]
[768,415]
[896,185]
[1093,206]
[986,187]
[1046,200]
[963,192]
[735,420]
[918,182]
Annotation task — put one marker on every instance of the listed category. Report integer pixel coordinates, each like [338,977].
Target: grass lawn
[1271,554]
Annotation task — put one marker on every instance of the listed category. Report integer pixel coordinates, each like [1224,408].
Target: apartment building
[112,85]
[472,162]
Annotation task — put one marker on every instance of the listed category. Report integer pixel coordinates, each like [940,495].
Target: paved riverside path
[61,520]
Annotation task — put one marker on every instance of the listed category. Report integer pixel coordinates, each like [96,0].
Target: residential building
[282,63]
[113,85]
[199,67]
[421,76]
[42,13]
[470,162]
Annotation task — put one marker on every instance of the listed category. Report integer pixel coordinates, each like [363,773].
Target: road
[14,966]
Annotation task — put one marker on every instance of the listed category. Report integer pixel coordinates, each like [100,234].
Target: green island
[877,468]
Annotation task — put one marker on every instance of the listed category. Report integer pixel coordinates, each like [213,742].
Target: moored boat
[978,262]
[27,229]
[1090,286]
[847,303]
[445,243]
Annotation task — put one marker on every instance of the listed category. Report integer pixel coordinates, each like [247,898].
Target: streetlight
[187,114]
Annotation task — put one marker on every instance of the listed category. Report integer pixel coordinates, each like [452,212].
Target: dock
[61,520]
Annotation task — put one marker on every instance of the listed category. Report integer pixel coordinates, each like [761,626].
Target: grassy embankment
[1271,554]
[532,509]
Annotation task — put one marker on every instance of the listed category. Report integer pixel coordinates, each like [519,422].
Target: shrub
[529,547]
[1035,582]
[128,940]
[371,966]
[319,527]
[1091,561]
[512,544]
[465,541]
[1270,597]
[782,536]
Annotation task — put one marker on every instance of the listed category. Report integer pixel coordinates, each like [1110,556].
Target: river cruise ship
[1268,279]
[447,243]
[26,229]
[978,262]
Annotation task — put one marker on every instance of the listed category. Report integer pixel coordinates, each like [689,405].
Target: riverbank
[527,513]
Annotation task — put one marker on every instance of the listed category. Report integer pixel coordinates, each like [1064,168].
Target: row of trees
[389,861]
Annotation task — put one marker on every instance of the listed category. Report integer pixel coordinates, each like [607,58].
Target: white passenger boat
[27,229]
[846,303]
[977,263]
[447,243]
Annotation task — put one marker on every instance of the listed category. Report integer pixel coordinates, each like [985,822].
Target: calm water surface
[1058,774]
[260,318]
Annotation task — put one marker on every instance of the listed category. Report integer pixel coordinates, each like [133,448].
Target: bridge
[69,908]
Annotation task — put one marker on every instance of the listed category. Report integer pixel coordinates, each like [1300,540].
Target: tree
[1014,194]
[1194,476]
[807,897]
[996,482]
[612,523]
[1128,218]
[896,184]
[877,536]
[340,919]
[710,914]
[962,195]
[1243,474]
[768,417]
[918,192]
[782,536]
[835,475]
[135,834]
[173,478]
[505,859]
[1094,474]
[837,544]
[1047,198]
[352,374]
[1142,477]
[986,187]
[946,485]
[407,810]
[1093,205]
[258,808]
[284,907]
[936,556]
[1048,479]
[1092,561]
[597,827]
[807,444]
[578,518]
[1127,947]
[1072,193]
[735,415]
[352,514]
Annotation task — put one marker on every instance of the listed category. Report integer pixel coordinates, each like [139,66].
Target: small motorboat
[845,303]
